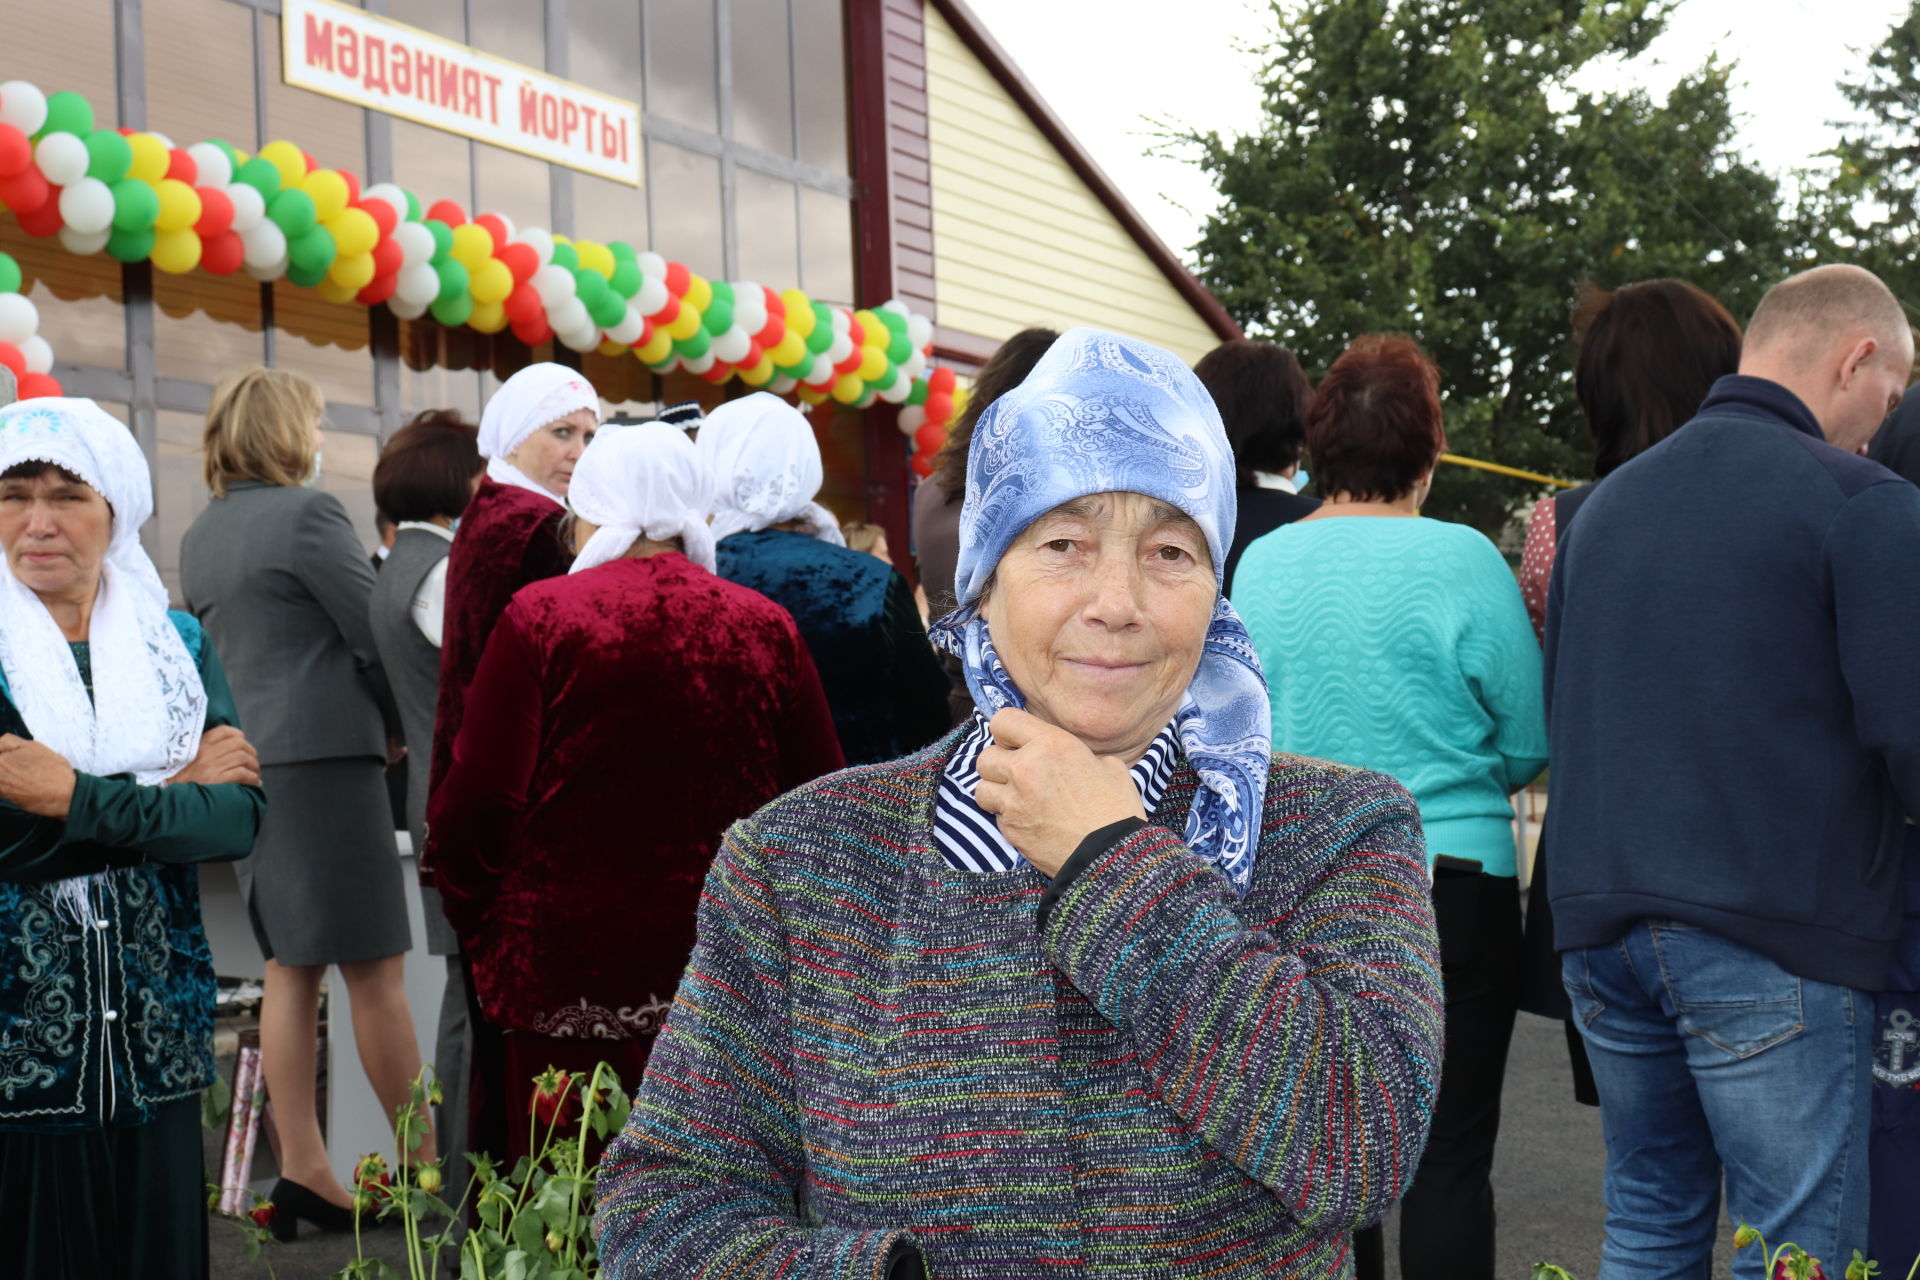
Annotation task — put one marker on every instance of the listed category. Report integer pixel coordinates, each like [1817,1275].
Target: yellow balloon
[560,239]
[329,192]
[871,330]
[686,324]
[800,315]
[848,387]
[760,374]
[699,293]
[789,349]
[176,252]
[333,291]
[472,246]
[812,395]
[610,348]
[491,282]
[488,317]
[352,273]
[179,205]
[595,257]
[656,348]
[354,232]
[149,157]
[287,158]
[873,363]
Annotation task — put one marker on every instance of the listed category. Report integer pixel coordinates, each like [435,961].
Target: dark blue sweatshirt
[1733,697]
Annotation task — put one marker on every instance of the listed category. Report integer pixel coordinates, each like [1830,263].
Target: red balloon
[523,305]
[13,361]
[856,331]
[16,151]
[930,437]
[719,373]
[44,221]
[353,185]
[940,380]
[223,254]
[25,191]
[35,385]
[216,213]
[379,291]
[773,333]
[922,464]
[311,163]
[678,278]
[776,306]
[387,259]
[752,357]
[520,259]
[448,212]
[667,314]
[646,334]
[532,332]
[491,224]
[939,407]
[182,167]
[852,361]
[382,214]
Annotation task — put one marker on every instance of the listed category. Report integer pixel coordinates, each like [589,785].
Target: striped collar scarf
[968,837]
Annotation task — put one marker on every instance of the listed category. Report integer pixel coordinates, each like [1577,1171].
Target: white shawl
[537,396]
[766,468]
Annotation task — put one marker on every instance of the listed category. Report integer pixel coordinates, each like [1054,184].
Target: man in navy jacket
[1735,728]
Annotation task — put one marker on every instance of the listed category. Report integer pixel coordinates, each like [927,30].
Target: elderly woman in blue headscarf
[1093,984]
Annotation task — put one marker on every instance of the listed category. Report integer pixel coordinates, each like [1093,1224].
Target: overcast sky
[1109,67]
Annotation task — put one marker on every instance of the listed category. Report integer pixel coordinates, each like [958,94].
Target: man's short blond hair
[260,427]
[1806,315]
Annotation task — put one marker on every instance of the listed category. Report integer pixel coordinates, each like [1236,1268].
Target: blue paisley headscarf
[1100,414]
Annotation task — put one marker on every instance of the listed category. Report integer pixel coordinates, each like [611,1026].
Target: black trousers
[1447,1217]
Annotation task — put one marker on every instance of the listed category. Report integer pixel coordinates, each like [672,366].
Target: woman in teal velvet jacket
[106,985]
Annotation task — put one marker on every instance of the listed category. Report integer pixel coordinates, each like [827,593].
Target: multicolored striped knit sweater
[1162,1081]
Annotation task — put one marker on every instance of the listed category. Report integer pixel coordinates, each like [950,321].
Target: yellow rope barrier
[1515,472]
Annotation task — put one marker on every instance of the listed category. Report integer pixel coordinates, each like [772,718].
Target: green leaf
[530,1233]
[216,1104]
[516,1266]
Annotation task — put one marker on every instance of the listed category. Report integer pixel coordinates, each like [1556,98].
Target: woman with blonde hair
[274,571]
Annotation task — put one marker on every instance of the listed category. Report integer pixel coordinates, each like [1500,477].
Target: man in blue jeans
[1734,717]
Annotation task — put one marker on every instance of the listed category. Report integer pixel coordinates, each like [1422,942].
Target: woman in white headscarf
[882,677]
[622,716]
[108,995]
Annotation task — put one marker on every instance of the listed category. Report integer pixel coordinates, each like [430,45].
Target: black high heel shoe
[292,1202]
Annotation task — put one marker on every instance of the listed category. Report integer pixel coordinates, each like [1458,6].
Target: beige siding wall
[1018,238]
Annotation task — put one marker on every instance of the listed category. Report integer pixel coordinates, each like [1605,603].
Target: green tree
[1431,167]
[1870,211]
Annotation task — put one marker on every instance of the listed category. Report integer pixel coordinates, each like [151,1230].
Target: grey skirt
[324,883]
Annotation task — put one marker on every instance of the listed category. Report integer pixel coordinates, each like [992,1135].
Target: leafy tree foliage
[1870,210]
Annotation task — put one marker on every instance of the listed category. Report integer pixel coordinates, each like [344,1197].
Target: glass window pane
[184,38]
[432,164]
[819,49]
[57,48]
[80,301]
[603,46]
[826,246]
[686,209]
[606,211]
[328,343]
[205,325]
[768,240]
[179,489]
[333,132]
[512,29]
[681,77]
[762,76]
[346,472]
[518,186]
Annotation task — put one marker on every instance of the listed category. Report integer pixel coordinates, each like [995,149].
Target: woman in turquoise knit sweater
[1401,644]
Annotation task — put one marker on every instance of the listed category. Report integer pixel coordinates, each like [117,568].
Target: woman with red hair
[1401,644]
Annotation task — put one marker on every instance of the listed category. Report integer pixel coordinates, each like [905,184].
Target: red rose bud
[553,1096]
[370,1177]
[262,1214]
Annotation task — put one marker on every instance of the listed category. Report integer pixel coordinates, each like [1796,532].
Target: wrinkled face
[54,532]
[1100,609]
[547,457]
[1870,391]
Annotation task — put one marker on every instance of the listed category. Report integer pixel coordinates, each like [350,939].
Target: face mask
[455,526]
[313,477]
[1301,479]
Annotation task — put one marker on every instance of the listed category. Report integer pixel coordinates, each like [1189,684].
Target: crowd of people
[1136,894]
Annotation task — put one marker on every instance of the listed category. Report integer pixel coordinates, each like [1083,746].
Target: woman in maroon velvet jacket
[623,716]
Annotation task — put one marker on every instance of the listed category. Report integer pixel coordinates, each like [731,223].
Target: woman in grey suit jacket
[275,573]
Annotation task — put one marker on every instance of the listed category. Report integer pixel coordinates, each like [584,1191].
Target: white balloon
[652,295]
[842,348]
[912,418]
[19,318]
[916,364]
[538,239]
[866,399]
[919,330]
[570,317]
[214,168]
[404,309]
[249,206]
[699,364]
[652,265]
[628,331]
[584,340]
[842,320]
[894,305]
[750,311]
[897,393]
[732,346]
[37,354]
[418,283]
[395,198]
[62,158]
[263,247]
[87,206]
[782,384]
[821,371]
[84,242]
[415,243]
[23,106]
[555,286]
[165,141]
[270,272]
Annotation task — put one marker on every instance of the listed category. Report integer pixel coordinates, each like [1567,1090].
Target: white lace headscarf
[766,468]
[152,704]
[537,396]
[643,481]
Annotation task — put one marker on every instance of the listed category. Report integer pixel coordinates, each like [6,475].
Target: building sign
[388,66]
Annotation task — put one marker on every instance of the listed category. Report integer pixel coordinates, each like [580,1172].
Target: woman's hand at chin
[1048,791]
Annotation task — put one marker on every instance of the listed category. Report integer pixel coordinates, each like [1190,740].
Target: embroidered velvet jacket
[100,1021]
[874,1052]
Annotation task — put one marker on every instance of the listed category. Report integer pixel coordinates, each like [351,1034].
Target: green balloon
[589,286]
[306,277]
[609,311]
[795,371]
[67,112]
[293,212]
[313,250]
[919,393]
[442,239]
[260,175]
[622,251]
[135,206]
[718,317]
[454,311]
[698,345]
[626,277]
[9,275]
[108,155]
[564,256]
[821,338]
[131,246]
[722,292]
[900,349]
[454,283]
[233,156]
[885,380]
[413,205]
